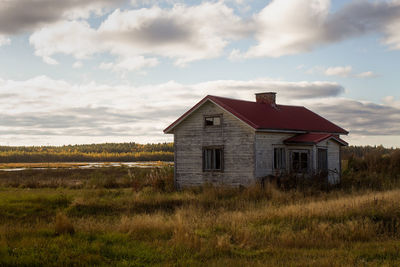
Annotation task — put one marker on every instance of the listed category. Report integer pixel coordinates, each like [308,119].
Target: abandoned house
[234,142]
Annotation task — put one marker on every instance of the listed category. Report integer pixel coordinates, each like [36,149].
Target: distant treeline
[148,152]
[371,167]
[365,151]
[89,153]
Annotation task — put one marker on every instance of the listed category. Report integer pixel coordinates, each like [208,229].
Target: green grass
[143,222]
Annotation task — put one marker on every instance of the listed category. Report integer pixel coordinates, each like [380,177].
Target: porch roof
[313,138]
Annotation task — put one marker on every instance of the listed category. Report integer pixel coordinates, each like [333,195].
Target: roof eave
[300,143]
[296,131]
[340,141]
[279,130]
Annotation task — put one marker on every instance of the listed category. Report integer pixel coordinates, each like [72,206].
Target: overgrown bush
[159,179]
[63,225]
[374,170]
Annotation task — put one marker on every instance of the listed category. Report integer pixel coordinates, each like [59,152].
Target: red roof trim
[313,138]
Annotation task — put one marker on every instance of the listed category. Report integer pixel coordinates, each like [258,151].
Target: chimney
[266,98]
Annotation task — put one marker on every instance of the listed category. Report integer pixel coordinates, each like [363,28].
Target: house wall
[191,136]
[266,142]
[264,147]
[334,164]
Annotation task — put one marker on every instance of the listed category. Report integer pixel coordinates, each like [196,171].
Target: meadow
[120,216]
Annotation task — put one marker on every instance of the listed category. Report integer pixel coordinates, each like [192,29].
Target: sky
[95,71]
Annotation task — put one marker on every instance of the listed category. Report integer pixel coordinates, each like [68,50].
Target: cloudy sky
[90,71]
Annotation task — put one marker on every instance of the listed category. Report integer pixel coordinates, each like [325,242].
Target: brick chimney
[266,98]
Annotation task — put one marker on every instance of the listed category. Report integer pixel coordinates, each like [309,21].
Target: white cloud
[44,109]
[4,40]
[77,65]
[339,71]
[342,71]
[183,33]
[391,101]
[286,27]
[186,33]
[361,117]
[289,27]
[67,37]
[366,74]
[130,64]
[48,108]
[392,33]
[18,16]
[141,3]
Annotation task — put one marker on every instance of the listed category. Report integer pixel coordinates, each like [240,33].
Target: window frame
[205,117]
[300,151]
[213,162]
[326,159]
[282,158]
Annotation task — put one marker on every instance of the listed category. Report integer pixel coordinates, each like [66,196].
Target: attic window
[212,120]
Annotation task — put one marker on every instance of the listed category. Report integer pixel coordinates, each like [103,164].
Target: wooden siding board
[236,137]
[264,145]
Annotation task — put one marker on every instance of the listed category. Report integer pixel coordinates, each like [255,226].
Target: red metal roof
[313,138]
[269,117]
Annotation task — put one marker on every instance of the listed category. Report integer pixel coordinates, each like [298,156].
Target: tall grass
[197,226]
[160,178]
[374,170]
[133,217]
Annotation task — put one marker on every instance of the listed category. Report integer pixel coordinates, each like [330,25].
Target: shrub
[63,225]
[159,179]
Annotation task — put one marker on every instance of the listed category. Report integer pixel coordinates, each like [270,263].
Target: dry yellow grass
[216,226]
[322,222]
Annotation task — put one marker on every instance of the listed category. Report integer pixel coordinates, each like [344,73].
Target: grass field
[133,217]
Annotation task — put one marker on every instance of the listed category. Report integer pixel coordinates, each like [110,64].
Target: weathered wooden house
[235,142]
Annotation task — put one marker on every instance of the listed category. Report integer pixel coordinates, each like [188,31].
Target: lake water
[85,165]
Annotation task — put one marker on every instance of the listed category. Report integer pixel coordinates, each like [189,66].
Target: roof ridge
[254,102]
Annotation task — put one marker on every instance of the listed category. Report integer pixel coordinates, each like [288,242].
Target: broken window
[212,120]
